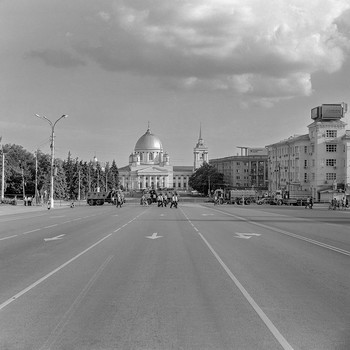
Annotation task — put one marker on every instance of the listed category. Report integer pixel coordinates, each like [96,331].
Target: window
[331,148]
[305,149]
[305,177]
[305,163]
[151,156]
[331,162]
[331,176]
[331,133]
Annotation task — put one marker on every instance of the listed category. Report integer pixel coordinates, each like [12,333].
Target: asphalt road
[196,277]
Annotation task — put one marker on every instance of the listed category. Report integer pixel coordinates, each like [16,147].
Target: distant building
[246,170]
[150,167]
[318,161]
[200,152]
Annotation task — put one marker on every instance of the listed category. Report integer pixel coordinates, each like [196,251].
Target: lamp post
[52,151]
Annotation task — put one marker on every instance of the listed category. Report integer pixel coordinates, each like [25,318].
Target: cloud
[254,48]
[56,58]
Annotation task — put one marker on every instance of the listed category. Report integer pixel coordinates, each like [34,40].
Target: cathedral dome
[148,141]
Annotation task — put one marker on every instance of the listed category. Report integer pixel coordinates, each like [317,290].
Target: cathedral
[150,167]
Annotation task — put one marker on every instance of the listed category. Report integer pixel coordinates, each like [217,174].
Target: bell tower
[200,152]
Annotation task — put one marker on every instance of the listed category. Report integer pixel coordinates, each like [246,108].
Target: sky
[247,71]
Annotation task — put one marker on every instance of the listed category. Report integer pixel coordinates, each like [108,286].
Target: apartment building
[318,161]
[246,170]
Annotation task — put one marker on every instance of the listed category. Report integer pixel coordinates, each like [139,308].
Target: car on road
[266,200]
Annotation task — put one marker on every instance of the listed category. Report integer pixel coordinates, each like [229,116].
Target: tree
[19,170]
[113,175]
[206,178]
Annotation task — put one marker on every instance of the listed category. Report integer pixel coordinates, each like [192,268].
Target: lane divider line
[272,328]
[38,229]
[2,239]
[287,233]
[55,334]
[42,279]
[51,226]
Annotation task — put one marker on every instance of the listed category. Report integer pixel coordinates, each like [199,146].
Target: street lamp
[52,150]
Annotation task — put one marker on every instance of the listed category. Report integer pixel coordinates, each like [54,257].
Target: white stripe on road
[324,245]
[38,229]
[2,239]
[51,226]
[68,314]
[33,285]
[276,333]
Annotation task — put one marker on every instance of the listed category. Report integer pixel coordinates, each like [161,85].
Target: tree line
[28,174]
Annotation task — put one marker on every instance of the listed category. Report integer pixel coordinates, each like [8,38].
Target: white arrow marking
[154,236]
[246,235]
[54,238]
[207,214]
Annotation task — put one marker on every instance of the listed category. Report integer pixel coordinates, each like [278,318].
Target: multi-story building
[244,171]
[318,161]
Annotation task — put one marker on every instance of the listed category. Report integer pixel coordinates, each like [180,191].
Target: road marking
[2,239]
[246,235]
[51,226]
[54,238]
[38,229]
[154,236]
[323,245]
[276,333]
[42,279]
[207,214]
[55,334]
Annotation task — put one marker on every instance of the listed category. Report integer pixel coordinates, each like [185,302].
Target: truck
[99,198]
[236,196]
[292,197]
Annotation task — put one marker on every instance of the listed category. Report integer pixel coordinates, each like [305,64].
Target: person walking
[119,200]
[165,199]
[160,200]
[173,201]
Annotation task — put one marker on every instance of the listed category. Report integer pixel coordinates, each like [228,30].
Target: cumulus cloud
[265,50]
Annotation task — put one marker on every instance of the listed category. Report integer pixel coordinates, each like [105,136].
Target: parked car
[266,200]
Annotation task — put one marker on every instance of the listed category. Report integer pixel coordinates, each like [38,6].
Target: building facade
[248,170]
[318,161]
[200,152]
[150,168]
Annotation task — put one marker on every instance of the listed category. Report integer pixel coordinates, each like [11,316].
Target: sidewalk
[6,209]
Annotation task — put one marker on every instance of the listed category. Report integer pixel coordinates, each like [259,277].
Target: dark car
[266,200]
